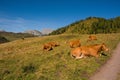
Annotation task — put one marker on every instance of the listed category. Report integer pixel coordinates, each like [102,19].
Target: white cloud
[20,25]
[16,25]
[12,24]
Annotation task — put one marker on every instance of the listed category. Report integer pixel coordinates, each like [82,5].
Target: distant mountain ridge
[2,31]
[10,36]
[33,32]
[91,25]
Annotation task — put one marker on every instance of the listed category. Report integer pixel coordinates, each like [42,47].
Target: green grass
[25,59]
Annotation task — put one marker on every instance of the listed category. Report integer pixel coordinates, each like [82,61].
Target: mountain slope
[3,39]
[91,25]
[25,59]
[10,36]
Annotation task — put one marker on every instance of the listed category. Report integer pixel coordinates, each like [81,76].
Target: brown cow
[49,46]
[91,50]
[92,37]
[54,44]
[74,43]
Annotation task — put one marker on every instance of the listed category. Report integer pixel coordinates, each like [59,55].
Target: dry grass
[25,59]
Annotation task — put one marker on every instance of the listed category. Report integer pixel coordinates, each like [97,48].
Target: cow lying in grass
[91,50]
[92,37]
[74,43]
[49,46]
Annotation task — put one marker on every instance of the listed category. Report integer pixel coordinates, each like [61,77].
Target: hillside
[25,59]
[91,25]
[10,36]
[3,39]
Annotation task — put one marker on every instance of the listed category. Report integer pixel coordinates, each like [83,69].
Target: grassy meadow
[25,59]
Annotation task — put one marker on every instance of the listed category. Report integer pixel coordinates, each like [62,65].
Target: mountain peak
[34,32]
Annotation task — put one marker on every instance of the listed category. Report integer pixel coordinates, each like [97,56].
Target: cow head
[104,47]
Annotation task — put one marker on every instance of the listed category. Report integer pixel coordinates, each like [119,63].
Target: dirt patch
[110,70]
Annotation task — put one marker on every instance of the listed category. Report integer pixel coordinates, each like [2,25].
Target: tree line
[91,25]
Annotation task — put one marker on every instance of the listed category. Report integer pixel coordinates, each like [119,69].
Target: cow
[49,46]
[91,37]
[54,44]
[91,50]
[74,43]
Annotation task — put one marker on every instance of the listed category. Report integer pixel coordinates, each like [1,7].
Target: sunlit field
[26,60]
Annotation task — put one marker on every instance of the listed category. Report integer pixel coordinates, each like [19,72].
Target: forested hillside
[91,25]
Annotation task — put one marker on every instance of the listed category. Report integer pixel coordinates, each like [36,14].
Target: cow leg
[96,55]
[81,56]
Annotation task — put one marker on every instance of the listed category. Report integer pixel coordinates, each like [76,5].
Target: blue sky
[21,15]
